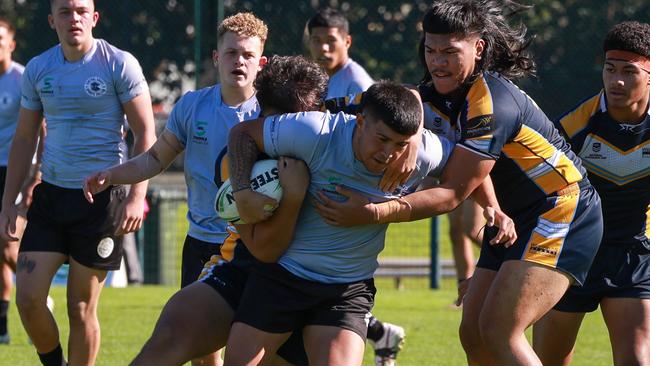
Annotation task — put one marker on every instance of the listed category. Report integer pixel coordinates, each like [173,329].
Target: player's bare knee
[470,337]
[81,313]
[28,302]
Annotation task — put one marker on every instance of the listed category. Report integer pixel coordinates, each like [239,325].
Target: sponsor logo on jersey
[95,86]
[47,88]
[479,126]
[200,133]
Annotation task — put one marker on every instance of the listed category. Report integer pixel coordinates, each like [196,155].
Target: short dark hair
[505,46]
[52,3]
[393,104]
[4,22]
[631,36]
[329,18]
[291,84]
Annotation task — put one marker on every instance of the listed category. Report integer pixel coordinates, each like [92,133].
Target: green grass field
[128,316]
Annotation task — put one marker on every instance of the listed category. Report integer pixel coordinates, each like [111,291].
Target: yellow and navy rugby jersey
[617,157]
[494,118]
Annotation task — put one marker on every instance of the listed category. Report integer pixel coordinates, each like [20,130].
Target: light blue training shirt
[350,79]
[82,104]
[201,122]
[9,106]
[320,252]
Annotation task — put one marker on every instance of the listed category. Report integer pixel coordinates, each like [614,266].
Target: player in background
[329,41]
[199,125]
[471,52]
[610,131]
[10,79]
[83,87]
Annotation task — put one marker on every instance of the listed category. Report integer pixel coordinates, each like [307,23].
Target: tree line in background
[567,34]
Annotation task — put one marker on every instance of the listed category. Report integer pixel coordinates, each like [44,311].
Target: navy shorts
[61,220]
[619,271]
[229,280]
[277,301]
[563,232]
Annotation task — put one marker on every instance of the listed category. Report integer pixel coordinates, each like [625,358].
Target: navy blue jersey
[494,118]
[617,157]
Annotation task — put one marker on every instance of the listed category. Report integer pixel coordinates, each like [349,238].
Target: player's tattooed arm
[245,143]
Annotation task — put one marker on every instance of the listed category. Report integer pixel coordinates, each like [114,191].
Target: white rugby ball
[265,179]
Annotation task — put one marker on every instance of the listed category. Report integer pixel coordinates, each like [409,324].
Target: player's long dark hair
[505,46]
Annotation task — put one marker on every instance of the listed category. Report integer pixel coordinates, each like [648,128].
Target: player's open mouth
[239,72]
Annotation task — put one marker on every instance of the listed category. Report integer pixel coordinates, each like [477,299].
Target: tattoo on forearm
[242,153]
[26,264]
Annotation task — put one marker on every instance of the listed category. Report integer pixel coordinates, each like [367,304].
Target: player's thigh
[252,345]
[554,336]
[326,345]
[628,323]
[522,292]
[197,316]
[34,274]
[84,287]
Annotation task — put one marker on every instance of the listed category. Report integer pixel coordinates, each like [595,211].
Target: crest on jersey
[5,100]
[596,147]
[95,86]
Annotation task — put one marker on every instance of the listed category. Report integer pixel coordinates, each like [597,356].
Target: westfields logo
[200,132]
[47,88]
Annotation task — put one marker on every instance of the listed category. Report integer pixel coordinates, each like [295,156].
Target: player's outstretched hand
[463,287]
[354,211]
[507,234]
[8,223]
[399,171]
[294,178]
[129,216]
[96,183]
[254,207]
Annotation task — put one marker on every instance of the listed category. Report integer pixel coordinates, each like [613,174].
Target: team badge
[105,247]
[5,100]
[95,86]
[596,147]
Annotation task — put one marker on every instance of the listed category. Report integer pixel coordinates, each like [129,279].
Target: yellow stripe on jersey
[541,161]
[546,242]
[578,119]
[225,174]
[479,100]
[647,222]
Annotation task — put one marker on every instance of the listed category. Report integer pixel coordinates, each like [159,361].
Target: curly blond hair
[243,24]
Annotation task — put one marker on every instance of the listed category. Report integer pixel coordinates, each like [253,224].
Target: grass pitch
[128,315]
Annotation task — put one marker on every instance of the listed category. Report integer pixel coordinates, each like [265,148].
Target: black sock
[53,358]
[4,307]
[375,329]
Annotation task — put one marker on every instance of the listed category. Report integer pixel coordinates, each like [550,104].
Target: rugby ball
[265,179]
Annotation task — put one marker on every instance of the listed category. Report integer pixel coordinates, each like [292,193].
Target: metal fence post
[434,275]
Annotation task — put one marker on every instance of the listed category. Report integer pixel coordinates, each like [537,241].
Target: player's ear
[347,39]
[479,48]
[263,61]
[50,20]
[215,57]
[360,120]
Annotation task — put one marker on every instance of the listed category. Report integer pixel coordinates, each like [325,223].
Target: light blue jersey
[320,252]
[9,106]
[350,79]
[82,104]
[201,122]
